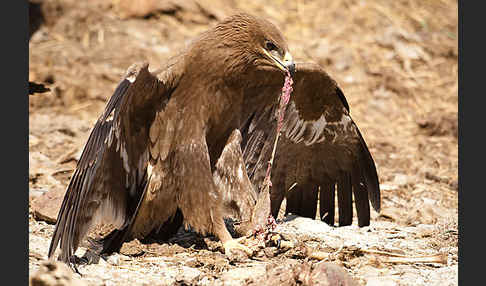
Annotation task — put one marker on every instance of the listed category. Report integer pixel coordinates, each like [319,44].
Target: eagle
[189,144]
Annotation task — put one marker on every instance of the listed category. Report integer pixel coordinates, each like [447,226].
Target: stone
[54,273]
[46,206]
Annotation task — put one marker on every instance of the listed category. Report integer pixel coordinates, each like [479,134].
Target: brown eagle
[189,144]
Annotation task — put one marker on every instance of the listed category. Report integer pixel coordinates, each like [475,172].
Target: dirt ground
[396,62]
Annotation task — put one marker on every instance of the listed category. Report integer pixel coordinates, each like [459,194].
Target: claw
[280,242]
[277,240]
[73,265]
[233,244]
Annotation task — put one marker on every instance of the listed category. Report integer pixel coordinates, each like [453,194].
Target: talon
[284,244]
[276,239]
[233,244]
[72,264]
[281,242]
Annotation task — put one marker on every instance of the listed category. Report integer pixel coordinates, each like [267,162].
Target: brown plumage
[189,143]
[320,146]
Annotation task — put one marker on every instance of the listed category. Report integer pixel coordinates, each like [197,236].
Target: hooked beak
[286,64]
[289,63]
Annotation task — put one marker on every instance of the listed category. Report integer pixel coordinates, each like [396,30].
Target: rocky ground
[396,62]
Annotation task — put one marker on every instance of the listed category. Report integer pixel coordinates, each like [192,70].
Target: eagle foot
[89,257]
[73,263]
[280,242]
[234,249]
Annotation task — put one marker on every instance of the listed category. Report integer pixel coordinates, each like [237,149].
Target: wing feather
[111,177]
[321,147]
[326,201]
[345,200]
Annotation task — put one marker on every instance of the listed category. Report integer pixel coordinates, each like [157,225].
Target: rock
[380,281]
[188,275]
[286,273]
[113,259]
[40,163]
[325,273]
[46,206]
[401,180]
[297,225]
[54,273]
[293,272]
[239,276]
[132,248]
[35,193]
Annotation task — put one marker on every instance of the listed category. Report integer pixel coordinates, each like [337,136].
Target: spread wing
[111,175]
[320,148]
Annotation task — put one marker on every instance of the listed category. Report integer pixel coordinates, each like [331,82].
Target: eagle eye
[270,46]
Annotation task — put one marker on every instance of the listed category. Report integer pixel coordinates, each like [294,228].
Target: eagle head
[243,44]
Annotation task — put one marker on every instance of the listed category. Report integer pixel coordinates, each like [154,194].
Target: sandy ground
[396,62]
